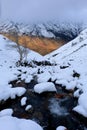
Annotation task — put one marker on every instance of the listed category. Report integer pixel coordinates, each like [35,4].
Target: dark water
[50,110]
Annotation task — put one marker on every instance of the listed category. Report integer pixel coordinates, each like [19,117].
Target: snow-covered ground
[9,72]
[68,70]
[71,70]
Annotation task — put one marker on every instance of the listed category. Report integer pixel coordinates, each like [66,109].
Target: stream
[50,110]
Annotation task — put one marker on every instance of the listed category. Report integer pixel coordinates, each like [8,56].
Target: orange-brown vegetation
[38,44]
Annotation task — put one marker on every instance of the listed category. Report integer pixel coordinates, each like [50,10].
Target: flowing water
[50,110]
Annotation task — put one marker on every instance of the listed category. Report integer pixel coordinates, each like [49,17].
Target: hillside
[40,45]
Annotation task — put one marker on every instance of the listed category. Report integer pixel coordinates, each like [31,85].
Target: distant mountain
[42,38]
[25,29]
[35,37]
[64,31]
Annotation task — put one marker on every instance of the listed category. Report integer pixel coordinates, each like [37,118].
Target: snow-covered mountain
[64,31]
[39,29]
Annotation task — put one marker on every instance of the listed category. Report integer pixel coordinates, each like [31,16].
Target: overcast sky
[43,10]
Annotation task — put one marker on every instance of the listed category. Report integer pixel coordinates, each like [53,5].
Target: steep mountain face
[65,31]
[42,38]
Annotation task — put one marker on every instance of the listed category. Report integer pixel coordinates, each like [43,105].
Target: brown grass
[40,45]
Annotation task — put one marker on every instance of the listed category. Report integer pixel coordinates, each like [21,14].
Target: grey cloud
[43,10]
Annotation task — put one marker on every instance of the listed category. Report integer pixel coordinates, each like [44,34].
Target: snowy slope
[71,71]
[9,72]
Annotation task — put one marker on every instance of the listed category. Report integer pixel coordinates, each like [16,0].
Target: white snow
[28,107]
[72,56]
[9,72]
[13,123]
[23,101]
[61,128]
[6,92]
[28,79]
[6,112]
[44,77]
[82,105]
[44,87]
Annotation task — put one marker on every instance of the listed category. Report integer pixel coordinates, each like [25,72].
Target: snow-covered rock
[44,87]
[6,112]
[6,93]
[44,77]
[81,108]
[9,72]
[28,107]
[23,101]
[13,123]
[61,128]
